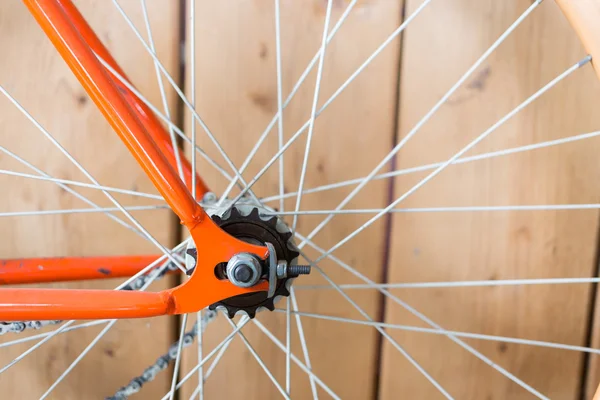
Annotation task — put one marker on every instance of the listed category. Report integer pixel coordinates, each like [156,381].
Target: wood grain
[494,245]
[35,75]
[237,97]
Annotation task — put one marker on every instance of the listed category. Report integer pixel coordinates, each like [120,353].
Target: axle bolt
[297,270]
[243,270]
[291,271]
[243,273]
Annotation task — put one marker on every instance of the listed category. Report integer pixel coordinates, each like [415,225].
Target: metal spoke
[69,323]
[427,167]
[36,346]
[258,359]
[211,368]
[535,207]
[78,211]
[395,34]
[193,88]
[197,391]
[163,94]
[78,359]
[266,167]
[288,347]
[423,120]
[43,335]
[81,184]
[152,265]
[279,102]
[90,177]
[291,303]
[313,112]
[451,284]
[200,356]
[410,328]
[315,58]
[482,136]
[313,385]
[183,98]
[374,55]
[218,357]
[428,321]
[170,123]
[297,86]
[162,361]
[194,177]
[380,330]
[70,190]
[243,321]
[295,359]
[178,357]
[161,88]
[281,179]
[92,344]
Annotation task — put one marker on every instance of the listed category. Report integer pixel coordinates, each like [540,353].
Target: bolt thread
[296,270]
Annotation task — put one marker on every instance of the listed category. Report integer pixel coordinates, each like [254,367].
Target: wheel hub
[257,225]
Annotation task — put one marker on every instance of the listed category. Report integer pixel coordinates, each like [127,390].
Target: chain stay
[136,284]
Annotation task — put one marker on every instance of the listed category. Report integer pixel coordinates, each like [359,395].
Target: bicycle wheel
[497,244]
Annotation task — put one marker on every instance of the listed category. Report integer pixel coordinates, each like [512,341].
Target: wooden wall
[495,244]
[236,94]
[36,76]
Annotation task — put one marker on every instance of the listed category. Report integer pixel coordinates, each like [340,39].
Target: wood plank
[494,245]
[33,72]
[237,97]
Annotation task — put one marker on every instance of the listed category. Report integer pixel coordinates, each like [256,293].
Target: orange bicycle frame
[146,139]
[20,271]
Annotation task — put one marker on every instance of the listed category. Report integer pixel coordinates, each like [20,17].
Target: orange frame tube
[73,39]
[150,122]
[20,271]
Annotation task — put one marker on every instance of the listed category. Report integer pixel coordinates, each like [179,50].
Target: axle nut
[243,270]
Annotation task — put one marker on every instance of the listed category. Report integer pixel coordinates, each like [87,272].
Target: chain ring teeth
[284,244]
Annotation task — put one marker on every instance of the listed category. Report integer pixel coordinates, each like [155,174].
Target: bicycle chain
[149,373]
[20,326]
[162,362]
[136,284]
